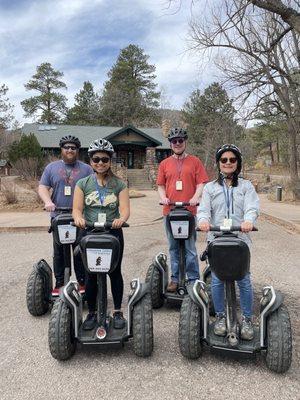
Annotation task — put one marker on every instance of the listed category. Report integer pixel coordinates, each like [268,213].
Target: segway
[182,225]
[229,259]
[100,252]
[39,296]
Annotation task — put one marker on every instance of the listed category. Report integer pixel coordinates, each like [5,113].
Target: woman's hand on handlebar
[117,223]
[246,226]
[204,226]
[164,201]
[80,222]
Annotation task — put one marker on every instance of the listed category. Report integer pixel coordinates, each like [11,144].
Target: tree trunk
[271,153]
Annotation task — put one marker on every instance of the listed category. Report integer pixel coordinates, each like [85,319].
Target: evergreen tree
[130,96]
[210,120]
[86,110]
[6,116]
[49,105]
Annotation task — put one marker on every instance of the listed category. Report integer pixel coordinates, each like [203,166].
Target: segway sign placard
[66,233]
[99,260]
[180,229]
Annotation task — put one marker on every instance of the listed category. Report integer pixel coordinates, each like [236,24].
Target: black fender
[72,298]
[43,269]
[160,261]
[206,272]
[266,311]
[198,294]
[138,291]
[143,289]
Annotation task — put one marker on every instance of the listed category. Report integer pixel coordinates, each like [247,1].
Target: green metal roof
[48,136]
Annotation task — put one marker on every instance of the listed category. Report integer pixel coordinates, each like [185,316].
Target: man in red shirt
[181,177]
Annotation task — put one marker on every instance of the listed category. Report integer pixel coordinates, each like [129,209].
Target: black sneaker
[90,322]
[247,331]
[118,320]
[220,325]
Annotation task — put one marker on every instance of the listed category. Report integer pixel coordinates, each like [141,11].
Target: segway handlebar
[102,225]
[178,204]
[61,209]
[233,228]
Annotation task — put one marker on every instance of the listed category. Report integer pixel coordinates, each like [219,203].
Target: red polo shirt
[189,170]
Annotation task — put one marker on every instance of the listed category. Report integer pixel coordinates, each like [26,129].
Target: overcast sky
[82,38]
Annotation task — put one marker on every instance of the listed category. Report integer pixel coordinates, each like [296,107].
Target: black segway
[182,225]
[100,253]
[229,259]
[40,283]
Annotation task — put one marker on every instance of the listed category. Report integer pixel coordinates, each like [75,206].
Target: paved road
[27,370]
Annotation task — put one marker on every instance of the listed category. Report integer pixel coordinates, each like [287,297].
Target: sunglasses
[225,160]
[67,147]
[179,141]
[104,160]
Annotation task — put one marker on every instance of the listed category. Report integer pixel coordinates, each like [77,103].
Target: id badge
[68,190]
[178,185]
[227,223]
[101,218]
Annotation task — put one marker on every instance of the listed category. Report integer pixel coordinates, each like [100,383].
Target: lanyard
[179,165]
[228,194]
[101,191]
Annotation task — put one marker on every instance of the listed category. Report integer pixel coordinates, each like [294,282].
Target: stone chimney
[166,127]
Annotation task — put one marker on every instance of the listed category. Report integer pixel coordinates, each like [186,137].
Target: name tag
[178,185]
[101,218]
[68,190]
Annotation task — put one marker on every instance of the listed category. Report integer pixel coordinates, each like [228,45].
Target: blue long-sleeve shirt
[215,206]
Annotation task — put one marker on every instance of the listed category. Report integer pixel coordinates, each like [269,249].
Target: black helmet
[177,133]
[100,145]
[235,150]
[70,139]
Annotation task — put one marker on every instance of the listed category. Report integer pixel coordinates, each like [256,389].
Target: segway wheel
[142,327]
[62,343]
[154,278]
[37,303]
[189,335]
[279,341]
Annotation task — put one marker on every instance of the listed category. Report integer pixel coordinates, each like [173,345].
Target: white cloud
[83,38]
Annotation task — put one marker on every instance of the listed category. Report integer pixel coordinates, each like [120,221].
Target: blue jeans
[191,258]
[246,295]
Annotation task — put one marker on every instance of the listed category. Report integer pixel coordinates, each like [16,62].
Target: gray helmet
[101,145]
[177,133]
[69,139]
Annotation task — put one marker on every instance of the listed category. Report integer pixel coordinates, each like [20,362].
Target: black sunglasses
[179,141]
[67,147]
[232,160]
[96,160]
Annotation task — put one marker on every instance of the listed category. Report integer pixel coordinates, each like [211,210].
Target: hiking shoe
[220,325]
[118,320]
[247,331]
[90,322]
[172,287]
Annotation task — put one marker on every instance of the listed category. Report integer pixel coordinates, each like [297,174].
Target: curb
[20,229]
[289,226]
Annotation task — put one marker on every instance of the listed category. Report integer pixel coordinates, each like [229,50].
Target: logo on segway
[98,261]
[67,234]
[101,333]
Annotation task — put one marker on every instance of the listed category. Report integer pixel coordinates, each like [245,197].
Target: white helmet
[100,145]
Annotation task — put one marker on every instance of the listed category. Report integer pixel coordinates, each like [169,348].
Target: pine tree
[130,96]
[86,110]
[6,109]
[210,120]
[49,105]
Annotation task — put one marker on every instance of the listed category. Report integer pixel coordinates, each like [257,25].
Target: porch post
[151,165]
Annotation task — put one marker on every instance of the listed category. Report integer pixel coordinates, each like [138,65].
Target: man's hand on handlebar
[246,226]
[194,201]
[80,222]
[49,206]
[204,226]
[164,201]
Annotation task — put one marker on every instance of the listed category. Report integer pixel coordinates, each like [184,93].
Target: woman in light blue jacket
[230,200]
